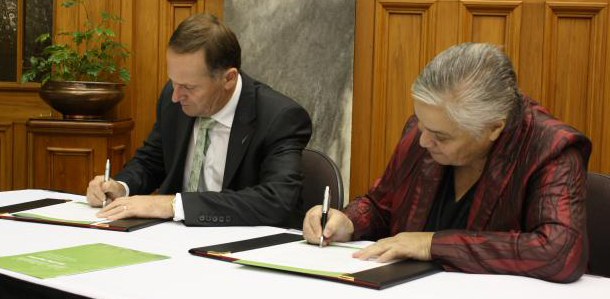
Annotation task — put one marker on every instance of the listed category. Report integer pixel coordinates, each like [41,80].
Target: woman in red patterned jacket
[483,180]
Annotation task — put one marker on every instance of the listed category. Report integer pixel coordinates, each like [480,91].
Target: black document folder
[125,225]
[377,278]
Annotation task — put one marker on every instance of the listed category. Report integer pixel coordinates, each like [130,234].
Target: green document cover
[75,260]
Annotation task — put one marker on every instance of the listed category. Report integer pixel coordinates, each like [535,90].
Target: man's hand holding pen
[100,190]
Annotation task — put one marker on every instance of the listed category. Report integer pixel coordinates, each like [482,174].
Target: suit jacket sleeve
[145,171]
[553,245]
[371,213]
[271,200]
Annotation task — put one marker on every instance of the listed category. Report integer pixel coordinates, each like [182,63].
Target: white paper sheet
[78,212]
[334,258]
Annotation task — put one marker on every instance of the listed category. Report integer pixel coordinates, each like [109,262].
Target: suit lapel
[498,172]
[491,187]
[242,129]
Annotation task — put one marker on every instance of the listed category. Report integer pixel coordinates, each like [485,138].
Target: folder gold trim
[216,253]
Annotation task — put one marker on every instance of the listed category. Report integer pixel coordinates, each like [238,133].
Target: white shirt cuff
[178,209]
[126,188]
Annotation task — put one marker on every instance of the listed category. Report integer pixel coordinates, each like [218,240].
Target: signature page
[300,256]
[75,212]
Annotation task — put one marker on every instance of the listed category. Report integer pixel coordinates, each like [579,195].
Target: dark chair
[319,171]
[598,223]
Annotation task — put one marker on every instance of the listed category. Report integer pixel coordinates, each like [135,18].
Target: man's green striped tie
[201,147]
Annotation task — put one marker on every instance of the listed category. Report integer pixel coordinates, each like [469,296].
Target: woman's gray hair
[474,82]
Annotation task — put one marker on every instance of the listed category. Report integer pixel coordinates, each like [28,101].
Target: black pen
[324,213]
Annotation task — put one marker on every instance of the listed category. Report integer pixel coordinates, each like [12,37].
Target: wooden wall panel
[6,153]
[20,159]
[13,160]
[64,163]
[404,35]
[145,68]
[529,73]
[69,169]
[125,31]
[171,14]
[362,103]
[118,154]
[447,29]
[605,123]
[573,66]
[19,106]
[495,22]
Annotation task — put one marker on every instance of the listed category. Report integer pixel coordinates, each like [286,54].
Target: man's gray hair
[474,82]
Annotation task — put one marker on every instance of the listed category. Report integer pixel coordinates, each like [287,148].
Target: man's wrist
[125,188]
[173,205]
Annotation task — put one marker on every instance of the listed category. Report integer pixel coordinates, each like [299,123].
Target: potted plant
[81,79]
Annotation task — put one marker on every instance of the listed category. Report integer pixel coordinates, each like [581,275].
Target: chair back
[319,171]
[598,223]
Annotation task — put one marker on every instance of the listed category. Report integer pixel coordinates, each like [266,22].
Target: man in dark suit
[225,149]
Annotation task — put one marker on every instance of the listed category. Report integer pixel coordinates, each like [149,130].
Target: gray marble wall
[304,49]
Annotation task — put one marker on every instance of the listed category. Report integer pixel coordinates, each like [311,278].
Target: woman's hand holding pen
[338,228]
[98,190]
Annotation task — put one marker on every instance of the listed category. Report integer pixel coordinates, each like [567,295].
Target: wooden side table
[66,155]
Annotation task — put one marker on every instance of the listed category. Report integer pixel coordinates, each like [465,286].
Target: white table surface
[185,275]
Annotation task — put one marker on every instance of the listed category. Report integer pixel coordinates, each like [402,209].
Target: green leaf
[42,38]
[111,69]
[28,76]
[33,61]
[105,15]
[68,3]
[88,35]
[77,37]
[45,78]
[108,32]
[93,73]
[124,75]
